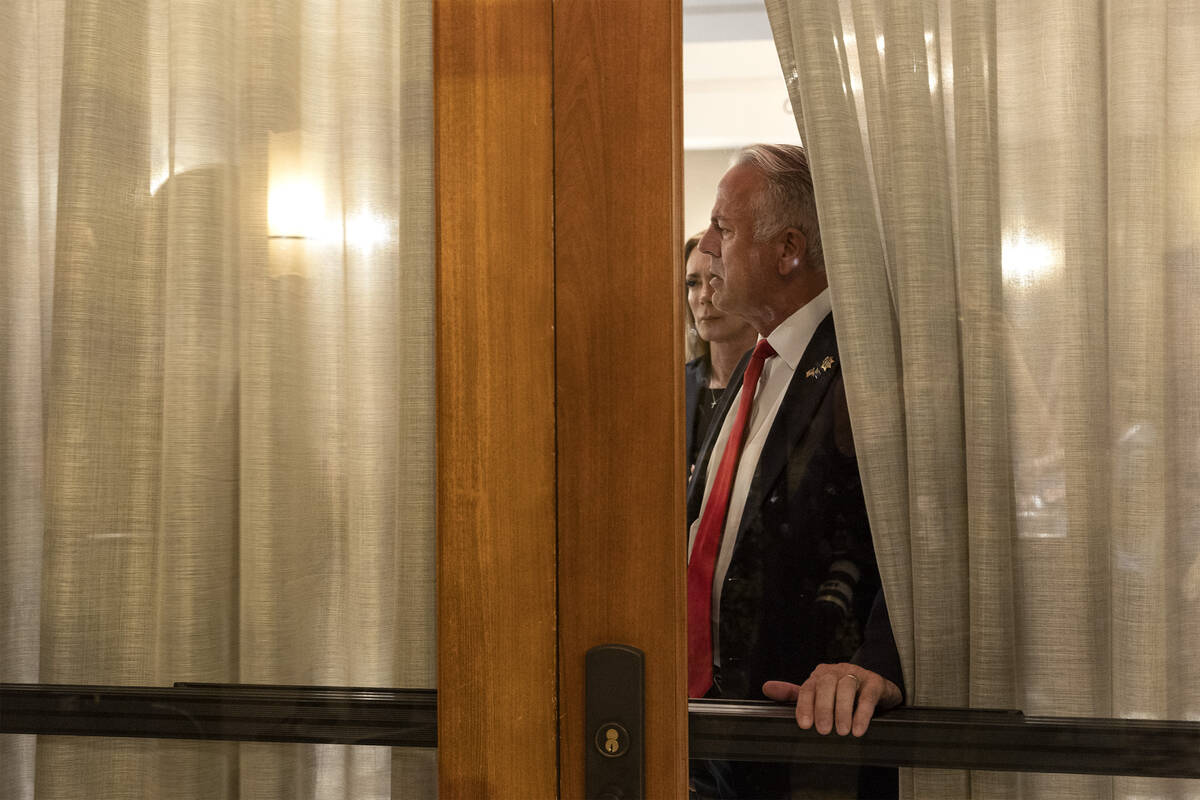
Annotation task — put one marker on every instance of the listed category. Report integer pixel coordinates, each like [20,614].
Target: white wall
[733,95]
[701,171]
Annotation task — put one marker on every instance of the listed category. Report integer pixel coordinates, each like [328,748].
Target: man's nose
[710,243]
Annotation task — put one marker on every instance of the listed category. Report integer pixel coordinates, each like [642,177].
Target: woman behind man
[716,341]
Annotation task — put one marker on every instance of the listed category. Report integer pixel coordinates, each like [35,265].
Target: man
[782,582]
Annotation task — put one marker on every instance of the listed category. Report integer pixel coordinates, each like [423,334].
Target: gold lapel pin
[825,365]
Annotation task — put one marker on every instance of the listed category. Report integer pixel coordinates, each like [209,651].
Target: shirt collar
[791,337]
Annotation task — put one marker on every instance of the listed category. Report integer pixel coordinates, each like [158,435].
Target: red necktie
[708,537]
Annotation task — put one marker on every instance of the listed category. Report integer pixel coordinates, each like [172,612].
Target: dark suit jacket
[804,512]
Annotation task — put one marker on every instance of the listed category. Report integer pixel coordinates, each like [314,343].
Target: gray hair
[788,200]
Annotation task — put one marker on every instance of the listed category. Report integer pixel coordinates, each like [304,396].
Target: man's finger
[868,698]
[782,691]
[826,691]
[880,695]
[847,690]
[805,699]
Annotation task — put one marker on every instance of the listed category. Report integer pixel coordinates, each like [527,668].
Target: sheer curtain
[1010,203]
[216,379]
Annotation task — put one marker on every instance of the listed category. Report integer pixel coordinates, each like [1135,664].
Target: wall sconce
[295,205]
[1027,259]
[300,232]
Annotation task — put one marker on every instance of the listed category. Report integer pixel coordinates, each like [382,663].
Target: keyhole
[611,739]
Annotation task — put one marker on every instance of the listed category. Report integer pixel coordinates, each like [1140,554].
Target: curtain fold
[1010,209]
[218,413]
[28,169]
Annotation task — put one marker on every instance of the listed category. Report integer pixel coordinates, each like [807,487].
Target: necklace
[713,394]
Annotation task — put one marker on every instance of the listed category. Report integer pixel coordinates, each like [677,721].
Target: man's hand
[829,696]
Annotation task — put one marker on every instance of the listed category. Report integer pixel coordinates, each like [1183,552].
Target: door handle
[615,678]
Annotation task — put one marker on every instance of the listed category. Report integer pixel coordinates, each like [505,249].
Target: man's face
[743,270]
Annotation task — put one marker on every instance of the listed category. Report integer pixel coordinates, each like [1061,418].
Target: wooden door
[560,474]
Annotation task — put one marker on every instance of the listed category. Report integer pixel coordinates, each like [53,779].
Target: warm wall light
[295,208]
[1026,259]
[295,204]
[158,180]
[299,226]
[366,231]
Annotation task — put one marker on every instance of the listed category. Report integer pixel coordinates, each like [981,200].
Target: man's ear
[791,256]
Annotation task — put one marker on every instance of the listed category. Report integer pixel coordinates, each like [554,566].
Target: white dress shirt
[790,339]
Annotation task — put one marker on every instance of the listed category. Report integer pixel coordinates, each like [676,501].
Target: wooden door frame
[559,371]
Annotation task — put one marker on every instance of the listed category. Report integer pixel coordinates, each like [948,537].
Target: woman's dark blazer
[695,378]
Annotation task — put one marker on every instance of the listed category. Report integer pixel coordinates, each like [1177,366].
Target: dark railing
[916,737]
[329,715]
[951,739]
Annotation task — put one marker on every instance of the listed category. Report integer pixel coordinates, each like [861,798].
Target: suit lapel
[813,377]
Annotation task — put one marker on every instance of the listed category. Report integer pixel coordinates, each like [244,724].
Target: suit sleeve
[878,652]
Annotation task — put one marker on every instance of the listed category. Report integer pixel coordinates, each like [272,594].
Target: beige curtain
[1009,194]
[216,378]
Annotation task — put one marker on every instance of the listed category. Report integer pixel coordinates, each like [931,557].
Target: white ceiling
[733,89]
[710,21]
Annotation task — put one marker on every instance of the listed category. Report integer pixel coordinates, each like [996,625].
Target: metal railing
[915,737]
[242,713]
[951,739]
